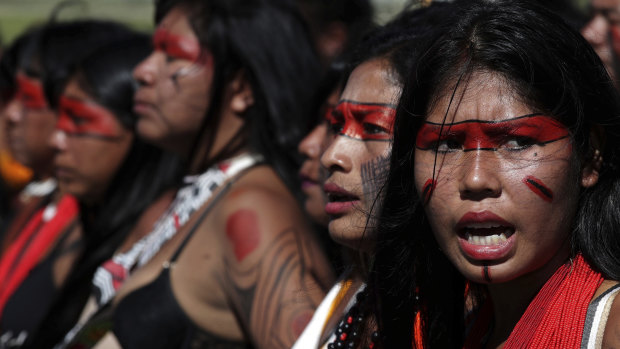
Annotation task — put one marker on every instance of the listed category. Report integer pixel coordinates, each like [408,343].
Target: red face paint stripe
[242,231]
[428,189]
[176,46]
[79,118]
[537,186]
[363,121]
[30,92]
[487,135]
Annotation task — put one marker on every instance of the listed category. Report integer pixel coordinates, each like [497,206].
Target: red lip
[470,218]
[339,201]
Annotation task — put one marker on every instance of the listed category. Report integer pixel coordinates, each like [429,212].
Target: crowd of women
[285,174]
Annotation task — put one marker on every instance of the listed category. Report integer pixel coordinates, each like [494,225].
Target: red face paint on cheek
[176,46]
[242,231]
[539,188]
[363,121]
[428,189]
[86,119]
[491,135]
[30,92]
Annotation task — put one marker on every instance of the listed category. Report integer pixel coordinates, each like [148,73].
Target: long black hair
[145,174]
[552,69]
[268,42]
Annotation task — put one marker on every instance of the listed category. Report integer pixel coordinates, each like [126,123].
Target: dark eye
[373,129]
[336,127]
[518,143]
[447,145]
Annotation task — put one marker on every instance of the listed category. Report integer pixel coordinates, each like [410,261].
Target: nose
[58,140]
[337,155]
[14,111]
[310,146]
[596,31]
[145,71]
[479,176]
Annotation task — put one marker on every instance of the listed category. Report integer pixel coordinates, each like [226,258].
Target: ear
[241,94]
[594,159]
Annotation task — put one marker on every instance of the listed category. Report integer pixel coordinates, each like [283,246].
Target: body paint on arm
[243,232]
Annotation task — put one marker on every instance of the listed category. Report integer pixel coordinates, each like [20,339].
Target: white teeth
[486,240]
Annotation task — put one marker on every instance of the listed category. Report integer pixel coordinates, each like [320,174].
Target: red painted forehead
[363,121]
[176,46]
[491,135]
[30,92]
[81,118]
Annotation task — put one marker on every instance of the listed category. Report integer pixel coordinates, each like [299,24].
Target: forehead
[486,96]
[177,22]
[371,82]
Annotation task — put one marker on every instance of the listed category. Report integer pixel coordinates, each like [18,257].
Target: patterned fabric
[197,190]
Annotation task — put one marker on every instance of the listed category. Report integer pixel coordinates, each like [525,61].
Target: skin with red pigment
[361,120]
[359,132]
[491,135]
[479,158]
[176,46]
[242,230]
[539,188]
[81,118]
[29,123]
[30,92]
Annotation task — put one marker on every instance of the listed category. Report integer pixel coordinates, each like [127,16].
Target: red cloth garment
[556,316]
[31,245]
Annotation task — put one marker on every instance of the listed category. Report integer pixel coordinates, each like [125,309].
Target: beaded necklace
[556,316]
[350,328]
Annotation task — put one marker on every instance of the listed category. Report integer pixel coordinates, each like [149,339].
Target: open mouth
[341,197]
[486,234]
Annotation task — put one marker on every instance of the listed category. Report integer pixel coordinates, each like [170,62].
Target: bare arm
[270,271]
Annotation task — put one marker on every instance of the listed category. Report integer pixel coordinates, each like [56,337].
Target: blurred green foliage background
[17,15]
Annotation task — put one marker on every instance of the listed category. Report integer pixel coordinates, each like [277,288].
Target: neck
[511,299]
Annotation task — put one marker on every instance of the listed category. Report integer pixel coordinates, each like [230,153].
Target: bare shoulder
[611,337]
[260,199]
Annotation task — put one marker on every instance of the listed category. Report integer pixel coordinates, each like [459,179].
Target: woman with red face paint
[501,224]
[358,142]
[44,223]
[232,262]
[50,253]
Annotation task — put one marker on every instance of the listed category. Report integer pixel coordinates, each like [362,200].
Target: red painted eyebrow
[30,92]
[353,115]
[489,135]
[94,120]
[176,46]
